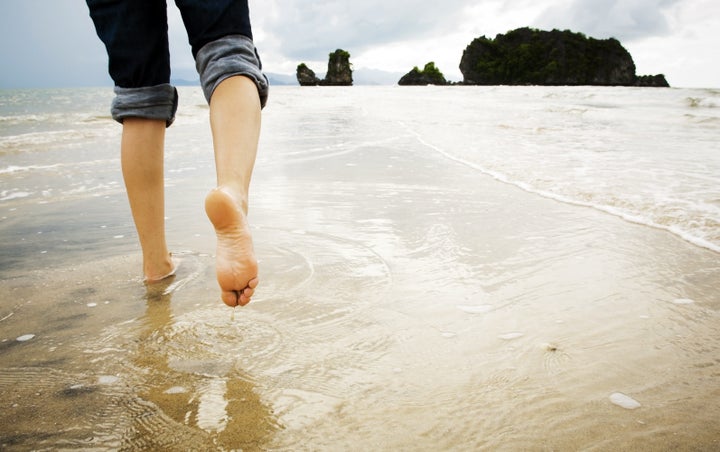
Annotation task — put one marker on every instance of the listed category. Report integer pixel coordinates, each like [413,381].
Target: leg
[142,149]
[235,122]
[235,87]
[135,35]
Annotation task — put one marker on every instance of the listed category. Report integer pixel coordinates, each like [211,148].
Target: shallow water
[418,292]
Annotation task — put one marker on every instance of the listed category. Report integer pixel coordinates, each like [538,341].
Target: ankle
[157,268]
[238,194]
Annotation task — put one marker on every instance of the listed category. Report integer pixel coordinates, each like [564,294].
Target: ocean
[442,268]
[648,156]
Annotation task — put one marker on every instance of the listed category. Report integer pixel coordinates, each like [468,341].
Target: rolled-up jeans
[135,35]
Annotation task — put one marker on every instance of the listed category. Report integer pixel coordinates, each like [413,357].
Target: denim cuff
[149,102]
[228,56]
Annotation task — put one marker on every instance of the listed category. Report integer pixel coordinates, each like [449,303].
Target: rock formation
[657,81]
[534,57]
[339,71]
[305,76]
[430,75]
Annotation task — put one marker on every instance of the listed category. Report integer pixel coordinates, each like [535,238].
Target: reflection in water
[218,401]
[106,364]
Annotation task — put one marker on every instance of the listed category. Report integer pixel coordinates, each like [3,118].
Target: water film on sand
[406,302]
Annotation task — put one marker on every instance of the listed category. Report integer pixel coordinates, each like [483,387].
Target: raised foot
[236,264]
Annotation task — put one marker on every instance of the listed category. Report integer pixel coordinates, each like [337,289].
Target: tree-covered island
[528,56]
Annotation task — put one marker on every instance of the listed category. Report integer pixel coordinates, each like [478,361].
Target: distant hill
[528,56]
[281,79]
[376,77]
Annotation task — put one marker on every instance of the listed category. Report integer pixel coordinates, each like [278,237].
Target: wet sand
[407,302]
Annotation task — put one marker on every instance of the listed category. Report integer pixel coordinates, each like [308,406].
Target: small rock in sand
[624,401]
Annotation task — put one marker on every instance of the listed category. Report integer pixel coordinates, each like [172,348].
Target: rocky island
[306,76]
[430,75]
[339,71]
[528,56]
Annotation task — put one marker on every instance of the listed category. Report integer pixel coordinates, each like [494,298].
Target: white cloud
[53,43]
[309,30]
[622,19]
[675,37]
[687,54]
[49,44]
[379,34]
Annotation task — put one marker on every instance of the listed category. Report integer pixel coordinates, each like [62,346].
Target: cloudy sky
[53,43]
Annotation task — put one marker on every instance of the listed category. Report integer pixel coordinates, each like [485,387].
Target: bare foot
[236,265]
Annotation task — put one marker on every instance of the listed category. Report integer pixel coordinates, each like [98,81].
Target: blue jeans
[135,35]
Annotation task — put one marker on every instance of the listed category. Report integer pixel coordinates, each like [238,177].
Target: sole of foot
[236,265]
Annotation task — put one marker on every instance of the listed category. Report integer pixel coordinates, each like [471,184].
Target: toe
[230,298]
[245,296]
[243,300]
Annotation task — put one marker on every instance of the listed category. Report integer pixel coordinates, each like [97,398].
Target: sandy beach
[407,301]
